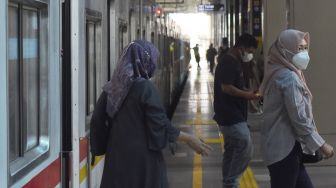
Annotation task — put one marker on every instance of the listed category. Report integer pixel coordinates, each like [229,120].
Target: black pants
[290,172]
[198,58]
[212,64]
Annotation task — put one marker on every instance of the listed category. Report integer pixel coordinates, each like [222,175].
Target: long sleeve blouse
[288,118]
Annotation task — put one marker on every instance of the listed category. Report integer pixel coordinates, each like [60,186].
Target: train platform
[193,114]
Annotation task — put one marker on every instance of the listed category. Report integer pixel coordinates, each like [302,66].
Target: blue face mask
[301,60]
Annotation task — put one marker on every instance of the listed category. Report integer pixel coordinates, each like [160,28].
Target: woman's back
[138,133]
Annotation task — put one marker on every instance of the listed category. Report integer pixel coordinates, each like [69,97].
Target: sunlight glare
[194,26]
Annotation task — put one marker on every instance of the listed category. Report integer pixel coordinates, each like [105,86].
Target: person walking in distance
[197,55]
[210,55]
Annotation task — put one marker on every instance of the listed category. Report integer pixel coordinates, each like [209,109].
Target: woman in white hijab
[289,129]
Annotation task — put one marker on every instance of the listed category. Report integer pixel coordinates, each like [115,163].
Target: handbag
[307,158]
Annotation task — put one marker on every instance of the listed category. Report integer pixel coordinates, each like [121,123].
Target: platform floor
[194,114]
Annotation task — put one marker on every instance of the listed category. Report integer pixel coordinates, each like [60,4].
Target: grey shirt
[287,118]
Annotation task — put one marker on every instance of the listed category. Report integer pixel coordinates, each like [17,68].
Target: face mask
[247,57]
[301,60]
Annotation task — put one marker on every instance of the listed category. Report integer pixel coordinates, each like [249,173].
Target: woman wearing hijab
[289,129]
[139,127]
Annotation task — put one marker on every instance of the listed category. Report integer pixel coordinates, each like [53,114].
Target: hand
[198,145]
[327,150]
[252,95]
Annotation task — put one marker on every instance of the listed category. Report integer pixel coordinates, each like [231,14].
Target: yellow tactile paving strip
[197,171]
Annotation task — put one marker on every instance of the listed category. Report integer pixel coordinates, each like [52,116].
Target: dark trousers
[290,172]
[198,58]
[212,64]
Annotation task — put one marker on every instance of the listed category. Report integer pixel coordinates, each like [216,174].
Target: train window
[93,59]
[13,67]
[27,83]
[122,35]
[90,66]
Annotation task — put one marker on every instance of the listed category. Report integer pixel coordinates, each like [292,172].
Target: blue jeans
[290,171]
[237,154]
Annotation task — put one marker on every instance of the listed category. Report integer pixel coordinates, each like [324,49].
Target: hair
[247,41]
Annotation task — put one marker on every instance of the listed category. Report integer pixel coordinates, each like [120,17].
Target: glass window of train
[90,67]
[93,61]
[121,39]
[27,84]
[13,82]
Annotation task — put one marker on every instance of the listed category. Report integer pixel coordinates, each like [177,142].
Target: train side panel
[36,156]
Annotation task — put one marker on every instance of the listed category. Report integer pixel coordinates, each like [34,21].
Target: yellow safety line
[197,171]
[200,122]
[213,141]
[97,160]
[252,179]
[83,173]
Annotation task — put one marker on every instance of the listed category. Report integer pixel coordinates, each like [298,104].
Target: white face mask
[301,60]
[247,57]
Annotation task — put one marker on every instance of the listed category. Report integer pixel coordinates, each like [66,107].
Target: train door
[30,97]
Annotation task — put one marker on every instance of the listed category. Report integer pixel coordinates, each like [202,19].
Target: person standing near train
[210,55]
[289,132]
[138,125]
[230,106]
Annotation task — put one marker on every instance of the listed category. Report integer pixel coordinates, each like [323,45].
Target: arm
[234,91]
[99,128]
[228,71]
[195,143]
[300,113]
[160,129]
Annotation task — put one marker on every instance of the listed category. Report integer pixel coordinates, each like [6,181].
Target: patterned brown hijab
[137,62]
[279,57]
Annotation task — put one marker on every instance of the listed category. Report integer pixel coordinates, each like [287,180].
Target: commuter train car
[55,58]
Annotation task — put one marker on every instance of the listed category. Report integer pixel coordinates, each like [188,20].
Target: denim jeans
[237,154]
[290,172]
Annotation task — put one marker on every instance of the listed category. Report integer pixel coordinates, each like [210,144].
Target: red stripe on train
[47,178]
[83,148]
